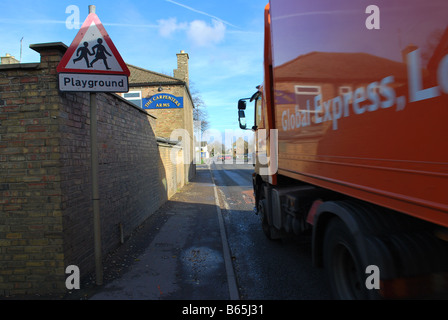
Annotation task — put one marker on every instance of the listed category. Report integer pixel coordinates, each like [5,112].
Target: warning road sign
[92,52]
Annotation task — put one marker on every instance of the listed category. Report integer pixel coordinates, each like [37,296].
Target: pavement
[179,253]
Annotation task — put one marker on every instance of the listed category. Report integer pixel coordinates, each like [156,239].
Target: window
[258,110]
[344,89]
[134,97]
[306,94]
[305,90]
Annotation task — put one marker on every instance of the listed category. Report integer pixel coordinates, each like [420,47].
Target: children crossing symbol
[98,50]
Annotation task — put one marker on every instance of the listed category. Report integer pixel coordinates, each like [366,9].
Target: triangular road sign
[92,51]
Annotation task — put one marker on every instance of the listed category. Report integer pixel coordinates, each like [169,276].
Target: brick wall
[168,120]
[45,185]
[31,235]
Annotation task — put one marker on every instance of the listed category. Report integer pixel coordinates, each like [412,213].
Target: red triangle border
[92,17]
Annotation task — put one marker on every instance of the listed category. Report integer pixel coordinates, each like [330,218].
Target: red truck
[352,141]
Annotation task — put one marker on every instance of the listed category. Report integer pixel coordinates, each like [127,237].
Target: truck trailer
[351,141]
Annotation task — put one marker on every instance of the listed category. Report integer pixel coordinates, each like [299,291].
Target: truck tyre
[342,263]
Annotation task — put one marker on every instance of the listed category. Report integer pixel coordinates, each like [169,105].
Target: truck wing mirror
[242,118]
[242,104]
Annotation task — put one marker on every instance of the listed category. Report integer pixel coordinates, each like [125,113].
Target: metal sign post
[79,71]
[95,190]
[95,186]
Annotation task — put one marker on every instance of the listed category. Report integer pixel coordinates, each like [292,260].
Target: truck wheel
[269,231]
[342,263]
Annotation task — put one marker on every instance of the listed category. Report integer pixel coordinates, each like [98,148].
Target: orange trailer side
[362,111]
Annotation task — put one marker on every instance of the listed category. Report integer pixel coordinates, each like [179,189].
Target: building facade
[169,100]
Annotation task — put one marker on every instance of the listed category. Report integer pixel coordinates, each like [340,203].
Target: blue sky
[224,40]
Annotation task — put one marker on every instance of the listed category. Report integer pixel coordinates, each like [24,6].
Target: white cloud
[203,34]
[199,32]
[168,26]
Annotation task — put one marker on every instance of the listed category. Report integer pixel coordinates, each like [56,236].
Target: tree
[200,109]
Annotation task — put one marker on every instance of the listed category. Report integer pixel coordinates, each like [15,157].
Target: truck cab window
[257,111]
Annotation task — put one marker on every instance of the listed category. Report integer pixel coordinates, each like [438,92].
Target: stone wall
[45,185]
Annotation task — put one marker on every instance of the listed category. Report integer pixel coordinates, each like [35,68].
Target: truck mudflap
[411,261]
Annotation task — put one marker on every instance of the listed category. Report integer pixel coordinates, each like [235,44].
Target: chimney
[9,59]
[181,72]
[408,49]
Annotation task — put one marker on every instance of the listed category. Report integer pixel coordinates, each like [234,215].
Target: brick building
[169,100]
[8,59]
[45,174]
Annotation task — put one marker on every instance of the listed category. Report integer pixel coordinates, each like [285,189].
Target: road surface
[264,269]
